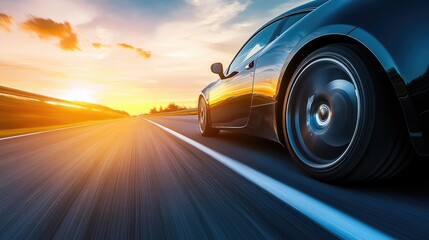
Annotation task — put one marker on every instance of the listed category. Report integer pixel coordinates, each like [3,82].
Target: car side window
[259,41]
[288,22]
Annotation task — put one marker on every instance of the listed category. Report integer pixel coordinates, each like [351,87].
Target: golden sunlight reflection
[64,104]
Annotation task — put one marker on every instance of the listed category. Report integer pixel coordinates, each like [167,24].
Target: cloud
[46,28]
[195,2]
[215,12]
[141,52]
[124,45]
[97,45]
[100,45]
[5,22]
[221,14]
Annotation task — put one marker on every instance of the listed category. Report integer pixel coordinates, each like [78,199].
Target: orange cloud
[5,22]
[141,52]
[124,45]
[46,28]
[99,45]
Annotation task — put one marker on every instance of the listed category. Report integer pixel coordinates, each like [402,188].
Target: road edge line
[333,220]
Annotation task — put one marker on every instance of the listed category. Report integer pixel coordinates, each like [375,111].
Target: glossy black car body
[395,33]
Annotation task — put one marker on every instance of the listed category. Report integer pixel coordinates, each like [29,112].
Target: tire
[342,120]
[204,120]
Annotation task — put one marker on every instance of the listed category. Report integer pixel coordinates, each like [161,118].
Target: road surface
[132,178]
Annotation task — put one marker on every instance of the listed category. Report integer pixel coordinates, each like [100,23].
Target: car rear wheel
[204,120]
[340,120]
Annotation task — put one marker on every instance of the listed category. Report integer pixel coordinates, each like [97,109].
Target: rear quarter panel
[399,38]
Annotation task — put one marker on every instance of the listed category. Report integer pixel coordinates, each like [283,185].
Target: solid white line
[47,131]
[338,223]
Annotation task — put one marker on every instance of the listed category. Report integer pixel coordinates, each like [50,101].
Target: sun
[83,95]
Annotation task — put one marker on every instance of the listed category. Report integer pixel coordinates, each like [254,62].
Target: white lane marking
[53,130]
[338,223]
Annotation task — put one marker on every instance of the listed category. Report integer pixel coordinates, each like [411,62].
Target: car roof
[301,8]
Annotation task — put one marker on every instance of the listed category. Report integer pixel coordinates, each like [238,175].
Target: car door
[230,99]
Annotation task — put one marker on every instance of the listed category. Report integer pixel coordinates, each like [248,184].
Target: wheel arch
[202,95]
[307,49]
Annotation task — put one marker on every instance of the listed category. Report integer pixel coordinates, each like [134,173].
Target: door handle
[250,65]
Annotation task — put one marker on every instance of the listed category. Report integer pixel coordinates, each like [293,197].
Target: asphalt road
[129,178]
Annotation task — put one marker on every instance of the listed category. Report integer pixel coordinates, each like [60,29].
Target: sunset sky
[130,55]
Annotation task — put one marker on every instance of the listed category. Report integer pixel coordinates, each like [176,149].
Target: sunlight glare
[83,95]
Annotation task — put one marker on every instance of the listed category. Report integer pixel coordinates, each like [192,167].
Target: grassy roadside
[19,131]
[176,113]
[22,115]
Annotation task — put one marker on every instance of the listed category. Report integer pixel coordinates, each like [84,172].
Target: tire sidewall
[356,151]
[201,101]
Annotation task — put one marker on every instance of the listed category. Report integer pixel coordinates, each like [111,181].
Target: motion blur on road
[128,178]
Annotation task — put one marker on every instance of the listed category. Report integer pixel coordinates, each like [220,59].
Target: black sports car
[343,84]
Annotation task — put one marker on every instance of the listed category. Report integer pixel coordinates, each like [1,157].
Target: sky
[130,55]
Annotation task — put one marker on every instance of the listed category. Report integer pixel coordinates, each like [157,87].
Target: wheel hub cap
[323,115]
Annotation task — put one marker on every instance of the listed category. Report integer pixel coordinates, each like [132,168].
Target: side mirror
[217,68]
